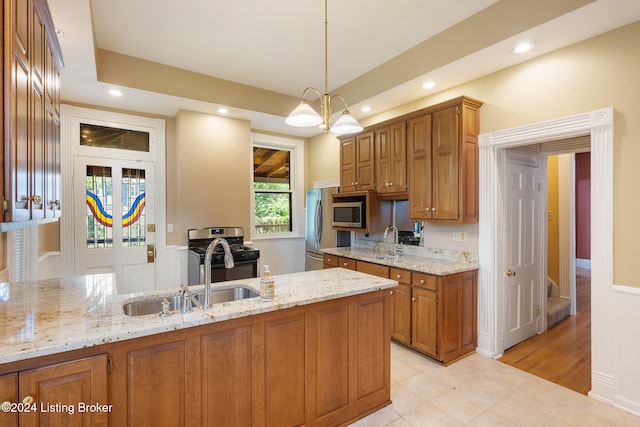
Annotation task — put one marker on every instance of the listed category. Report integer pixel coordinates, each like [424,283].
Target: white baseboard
[583,263]
[49,266]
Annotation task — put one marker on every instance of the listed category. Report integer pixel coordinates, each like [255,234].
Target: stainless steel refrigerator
[319,234]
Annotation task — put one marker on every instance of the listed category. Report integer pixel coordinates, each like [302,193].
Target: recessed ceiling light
[523,47]
[115,92]
[366,109]
[222,110]
[429,85]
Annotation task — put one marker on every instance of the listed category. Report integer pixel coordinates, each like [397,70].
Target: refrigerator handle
[318,221]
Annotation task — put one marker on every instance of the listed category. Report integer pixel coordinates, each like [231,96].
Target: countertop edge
[138,325]
[438,267]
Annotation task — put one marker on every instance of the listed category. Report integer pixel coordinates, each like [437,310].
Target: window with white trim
[276,185]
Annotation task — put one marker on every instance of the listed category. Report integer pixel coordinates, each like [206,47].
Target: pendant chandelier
[304,115]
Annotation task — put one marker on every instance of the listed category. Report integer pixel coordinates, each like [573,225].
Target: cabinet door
[52,136]
[458,324]
[398,158]
[37,115]
[9,394]
[401,313]
[226,378]
[328,364]
[348,165]
[383,160]
[365,163]
[19,117]
[155,381]
[371,350]
[70,385]
[446,185]
[280,373]
[391,159]
[424,320]
[419,155]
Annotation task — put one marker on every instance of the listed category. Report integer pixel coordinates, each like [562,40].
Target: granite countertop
[53,316]
[438,265]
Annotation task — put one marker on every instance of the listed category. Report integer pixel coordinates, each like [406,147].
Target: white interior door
[114,221]
[522,252]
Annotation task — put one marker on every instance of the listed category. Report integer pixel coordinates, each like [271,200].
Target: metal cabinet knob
[413,299]
[422,281]
[398,276]
[511,273]
[27,400]
[390,292]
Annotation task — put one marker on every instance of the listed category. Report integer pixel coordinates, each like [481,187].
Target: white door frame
[599,125]
[70,144]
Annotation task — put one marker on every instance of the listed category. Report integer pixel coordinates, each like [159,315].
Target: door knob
[511,273]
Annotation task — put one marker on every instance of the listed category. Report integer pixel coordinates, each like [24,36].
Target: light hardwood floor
[561,354]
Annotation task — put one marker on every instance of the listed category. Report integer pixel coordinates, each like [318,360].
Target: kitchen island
[317,354]
[434,308]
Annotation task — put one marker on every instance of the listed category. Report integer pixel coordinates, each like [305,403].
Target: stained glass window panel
[133,207]
[99,214]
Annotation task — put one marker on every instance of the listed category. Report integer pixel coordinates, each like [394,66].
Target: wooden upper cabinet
[419,170]
[357,163]
[30,178]
[443,165]
[348,164]
[391,159]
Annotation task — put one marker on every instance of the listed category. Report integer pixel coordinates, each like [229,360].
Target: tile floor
[479,391]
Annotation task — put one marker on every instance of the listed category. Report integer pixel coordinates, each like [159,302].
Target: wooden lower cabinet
[437,315]
[227,363]
[321,364]
[424,317]
[60,394]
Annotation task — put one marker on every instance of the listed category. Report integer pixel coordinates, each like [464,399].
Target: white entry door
[522,241]
[114,221]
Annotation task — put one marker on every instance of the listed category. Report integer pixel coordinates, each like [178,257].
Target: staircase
[558,308]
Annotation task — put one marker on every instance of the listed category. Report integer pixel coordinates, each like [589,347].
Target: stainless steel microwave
[349,214]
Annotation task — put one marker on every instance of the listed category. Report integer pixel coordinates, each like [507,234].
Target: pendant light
[304,115]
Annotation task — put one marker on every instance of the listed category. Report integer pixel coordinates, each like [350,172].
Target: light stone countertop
[53,316]
[440,266]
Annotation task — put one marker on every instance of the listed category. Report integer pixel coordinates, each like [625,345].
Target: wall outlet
[459,236]
[170,228]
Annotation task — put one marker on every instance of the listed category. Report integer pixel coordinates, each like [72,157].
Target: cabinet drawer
[347,263]
[371,268]
[330,260]
[425,281]
[402,276]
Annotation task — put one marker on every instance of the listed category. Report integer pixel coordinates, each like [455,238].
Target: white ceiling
[376,47]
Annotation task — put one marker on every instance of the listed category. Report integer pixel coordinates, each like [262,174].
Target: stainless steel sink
[146,306]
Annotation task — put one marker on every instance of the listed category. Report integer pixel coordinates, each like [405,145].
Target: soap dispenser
[267,285]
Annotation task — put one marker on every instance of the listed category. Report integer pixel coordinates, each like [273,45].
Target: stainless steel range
[244,257]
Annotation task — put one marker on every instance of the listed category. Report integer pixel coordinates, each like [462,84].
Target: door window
[99,214]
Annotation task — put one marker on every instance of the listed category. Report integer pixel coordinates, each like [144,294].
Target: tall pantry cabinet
[30,178]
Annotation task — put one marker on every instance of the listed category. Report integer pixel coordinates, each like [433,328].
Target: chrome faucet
[228,263]
[396,247]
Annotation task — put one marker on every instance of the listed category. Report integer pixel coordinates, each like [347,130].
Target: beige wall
[600,72]
[212,173]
